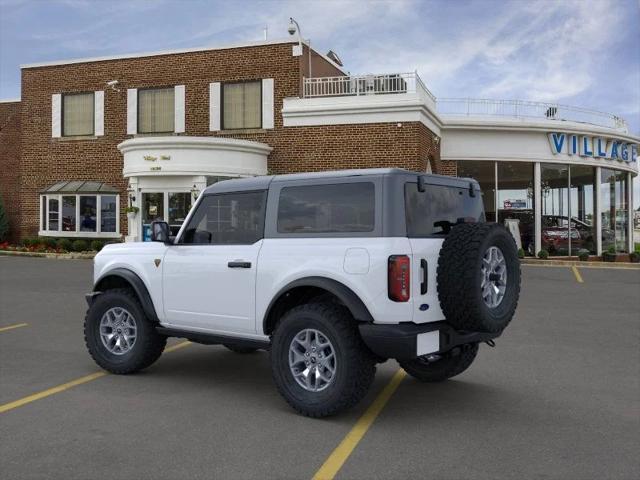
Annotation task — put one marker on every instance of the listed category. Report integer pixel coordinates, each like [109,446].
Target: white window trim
[179,109]
[45,232]
[268,97]
[98,113]
[56,115]
[132,111]
[215,112]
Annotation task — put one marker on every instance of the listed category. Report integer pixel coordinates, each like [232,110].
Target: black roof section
[80,186]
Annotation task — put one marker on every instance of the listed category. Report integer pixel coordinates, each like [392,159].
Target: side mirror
[160,232]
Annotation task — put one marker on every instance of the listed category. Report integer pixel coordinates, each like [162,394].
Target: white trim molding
[56,115]
[132,111]
[179,109]
[214,107]
[98,125]
[185,155]
[267,103]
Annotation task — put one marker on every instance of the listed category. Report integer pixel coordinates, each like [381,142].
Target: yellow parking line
[65,386]
[577,274]
[334,463]
[11,327]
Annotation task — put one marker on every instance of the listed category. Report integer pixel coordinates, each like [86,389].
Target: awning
[80,186]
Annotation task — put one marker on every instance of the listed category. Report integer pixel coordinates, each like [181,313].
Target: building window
[614,210]
[78,114]
[484,172]
[80,215]
[156,110]
[242,105]
[516,202]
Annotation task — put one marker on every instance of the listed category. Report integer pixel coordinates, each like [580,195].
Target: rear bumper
[409,340]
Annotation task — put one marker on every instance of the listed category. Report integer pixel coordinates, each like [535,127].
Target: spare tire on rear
[479,277]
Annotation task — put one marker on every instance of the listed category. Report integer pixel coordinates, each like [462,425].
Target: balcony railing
[525,109]
[356,85]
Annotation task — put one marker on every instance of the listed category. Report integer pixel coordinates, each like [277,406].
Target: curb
[59,256]
[572,263]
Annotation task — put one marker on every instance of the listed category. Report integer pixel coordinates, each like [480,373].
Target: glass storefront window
[581,205]
[179,205]
[484,173]
[53,214]
[614,210]
[108,215]
[69,213]
[516,203]
[88,213]
[555,208]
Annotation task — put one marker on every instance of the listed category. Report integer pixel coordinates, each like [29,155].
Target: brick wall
[10,163]
[46,160]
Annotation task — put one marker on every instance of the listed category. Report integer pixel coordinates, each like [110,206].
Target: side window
[227,219]
[339,208]
[436,210]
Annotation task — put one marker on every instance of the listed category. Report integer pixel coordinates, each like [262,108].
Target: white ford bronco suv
[331,272]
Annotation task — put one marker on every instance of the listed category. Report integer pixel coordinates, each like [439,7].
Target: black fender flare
[347,296]
[136,284]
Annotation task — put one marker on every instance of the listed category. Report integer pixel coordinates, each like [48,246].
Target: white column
[598,212]
[630,211]
[537,195]
[133,224]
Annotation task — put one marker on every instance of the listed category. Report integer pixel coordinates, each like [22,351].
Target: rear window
[438,208]
[339,208]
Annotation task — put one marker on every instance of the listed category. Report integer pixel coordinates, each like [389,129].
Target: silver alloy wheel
[312,360]
[494,277]
[118,330]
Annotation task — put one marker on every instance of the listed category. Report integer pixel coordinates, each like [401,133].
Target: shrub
[543,254]
[29,242]
[97,245]
[583,255]
[521,253]
[47,242]
[4,223]
[80,246]
[611,249]
[634,257]
[65,244]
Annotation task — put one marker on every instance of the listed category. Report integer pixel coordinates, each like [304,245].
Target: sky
[577,52]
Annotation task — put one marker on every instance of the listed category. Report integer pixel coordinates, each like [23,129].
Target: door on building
[170,207]
[209,275]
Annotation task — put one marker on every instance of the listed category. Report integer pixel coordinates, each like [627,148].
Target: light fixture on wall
[132,197]
[195,193]
[294,28]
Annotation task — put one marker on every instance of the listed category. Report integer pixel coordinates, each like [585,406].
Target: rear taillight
[399,278]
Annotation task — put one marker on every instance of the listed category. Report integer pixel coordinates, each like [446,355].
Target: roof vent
[333,56]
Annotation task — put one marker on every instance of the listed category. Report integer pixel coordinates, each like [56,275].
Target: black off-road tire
[443,369]
[239,349]
[459,277]
[148,346]
[355,365]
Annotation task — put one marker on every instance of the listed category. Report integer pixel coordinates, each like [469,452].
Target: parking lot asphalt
[558,398]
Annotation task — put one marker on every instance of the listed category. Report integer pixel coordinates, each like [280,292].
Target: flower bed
[55,246]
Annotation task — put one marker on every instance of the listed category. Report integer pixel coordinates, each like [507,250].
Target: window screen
[436,210]
[77,114]
[339,208]
[156,110]
[227,219]
[242,105]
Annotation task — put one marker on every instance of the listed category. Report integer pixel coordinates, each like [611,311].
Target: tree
[4,222]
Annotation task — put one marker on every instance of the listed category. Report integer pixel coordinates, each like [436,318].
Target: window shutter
[132,111]
[267,103]
[56,115]
[178,111]
[214,106]
[98,113]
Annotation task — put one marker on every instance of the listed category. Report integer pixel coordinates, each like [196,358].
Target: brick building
[91,137]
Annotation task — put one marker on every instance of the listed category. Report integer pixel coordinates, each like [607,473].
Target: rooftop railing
[526,109]
[356,85]
[398,83]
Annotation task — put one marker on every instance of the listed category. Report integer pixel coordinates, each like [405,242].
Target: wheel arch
[296,292]
[123,277]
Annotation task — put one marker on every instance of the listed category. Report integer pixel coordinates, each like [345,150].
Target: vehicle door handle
[425,276]
[239,264]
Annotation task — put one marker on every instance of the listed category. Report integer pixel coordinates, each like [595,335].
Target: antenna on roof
[266,32]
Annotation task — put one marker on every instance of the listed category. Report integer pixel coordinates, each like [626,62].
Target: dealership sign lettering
[598,147]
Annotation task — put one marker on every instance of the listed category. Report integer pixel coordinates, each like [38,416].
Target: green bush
[65,244]
[543,254]
[583,255]
[47,242]
[4,222]
[80,246]
[611,249]
[97,245]
[634,257]
[29,242]
[521,253]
